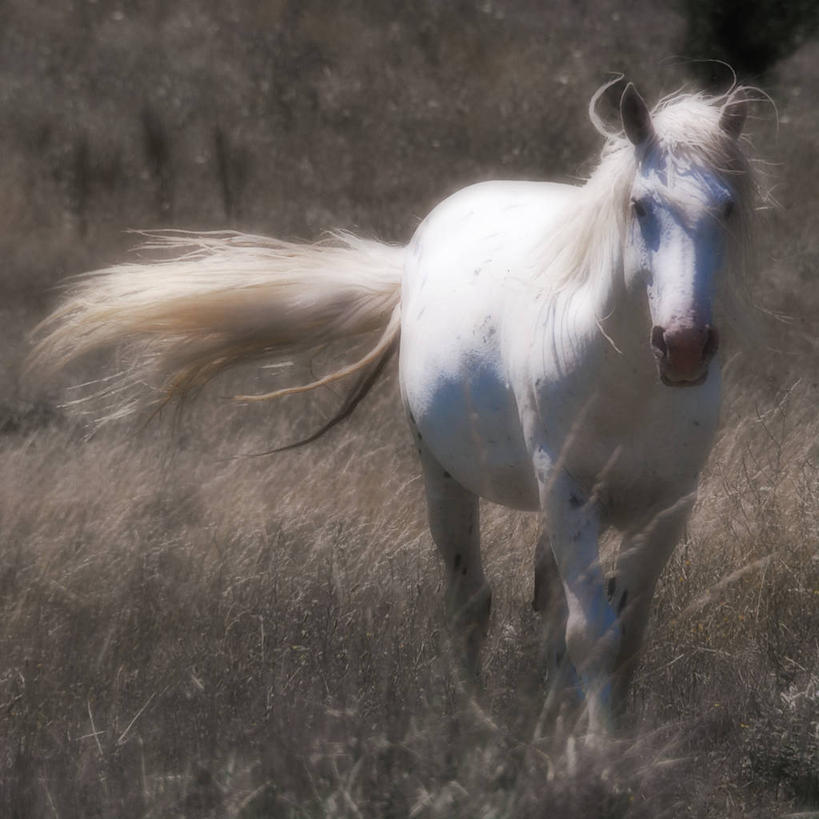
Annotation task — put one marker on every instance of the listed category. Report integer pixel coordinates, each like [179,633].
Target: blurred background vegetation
[184,634]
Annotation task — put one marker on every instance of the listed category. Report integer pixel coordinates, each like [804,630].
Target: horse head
[681,215]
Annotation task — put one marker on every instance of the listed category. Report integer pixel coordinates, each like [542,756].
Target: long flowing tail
[219,299]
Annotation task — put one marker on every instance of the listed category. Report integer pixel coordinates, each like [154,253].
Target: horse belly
[457,394]
[470,425]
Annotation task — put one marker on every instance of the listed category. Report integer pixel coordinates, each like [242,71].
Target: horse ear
[636,116]
[733,114]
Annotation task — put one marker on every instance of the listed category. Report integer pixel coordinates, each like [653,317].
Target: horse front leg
[643,554]
[571,526]
[550,603]
[454,524]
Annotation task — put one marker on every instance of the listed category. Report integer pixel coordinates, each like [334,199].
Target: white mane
[588,243]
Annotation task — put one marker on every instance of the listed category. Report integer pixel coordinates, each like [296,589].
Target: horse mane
[586,245]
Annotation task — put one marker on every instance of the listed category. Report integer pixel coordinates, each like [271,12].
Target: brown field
[188,633]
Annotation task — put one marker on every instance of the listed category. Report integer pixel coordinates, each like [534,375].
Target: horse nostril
[711,343]
[658,344]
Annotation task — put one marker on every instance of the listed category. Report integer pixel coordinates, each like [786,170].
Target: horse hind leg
[454,523]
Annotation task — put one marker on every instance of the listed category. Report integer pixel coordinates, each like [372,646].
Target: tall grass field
[189,628]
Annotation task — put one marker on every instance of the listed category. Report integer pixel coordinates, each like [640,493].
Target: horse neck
[618,329]
[586,311]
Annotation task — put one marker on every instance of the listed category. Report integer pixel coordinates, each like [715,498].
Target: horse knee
[592,646]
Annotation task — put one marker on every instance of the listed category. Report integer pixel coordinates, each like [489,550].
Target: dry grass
[186,633]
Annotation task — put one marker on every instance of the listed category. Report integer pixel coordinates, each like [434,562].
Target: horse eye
[639,208]
[728,209]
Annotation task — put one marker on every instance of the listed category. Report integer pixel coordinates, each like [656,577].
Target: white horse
[557,349]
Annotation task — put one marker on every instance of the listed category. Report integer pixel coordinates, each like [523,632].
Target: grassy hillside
[188,633]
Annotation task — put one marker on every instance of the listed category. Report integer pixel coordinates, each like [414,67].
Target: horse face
[674,248]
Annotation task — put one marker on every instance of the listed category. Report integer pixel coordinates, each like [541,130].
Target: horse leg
[550,602]
[592,639]
[454,524]
[643,554]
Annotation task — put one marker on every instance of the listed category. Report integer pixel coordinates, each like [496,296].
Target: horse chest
[638,456]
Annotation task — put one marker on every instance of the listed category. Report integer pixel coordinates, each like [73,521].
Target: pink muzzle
[683,353]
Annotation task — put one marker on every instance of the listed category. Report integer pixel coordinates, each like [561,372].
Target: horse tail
[214,300]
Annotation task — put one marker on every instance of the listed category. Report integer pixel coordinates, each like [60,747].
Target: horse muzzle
[683,353]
